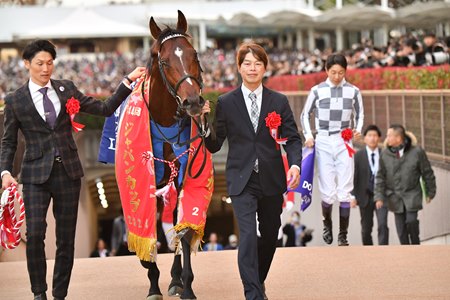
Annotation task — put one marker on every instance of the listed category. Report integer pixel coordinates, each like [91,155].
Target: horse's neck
[163,106]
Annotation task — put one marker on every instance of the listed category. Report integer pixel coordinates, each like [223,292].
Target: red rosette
[347,135]
[273,120]
[72,108]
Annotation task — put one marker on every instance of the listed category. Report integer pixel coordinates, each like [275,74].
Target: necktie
[254,111]
[254,116]
[372,174]
[49,109]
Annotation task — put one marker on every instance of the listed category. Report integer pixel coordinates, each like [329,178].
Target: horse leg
[176,285]
[154,293]
[187,275]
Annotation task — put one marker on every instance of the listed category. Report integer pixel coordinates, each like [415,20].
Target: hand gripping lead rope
[9,225]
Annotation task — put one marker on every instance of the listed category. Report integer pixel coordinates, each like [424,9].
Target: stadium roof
[26,22]
[84,23]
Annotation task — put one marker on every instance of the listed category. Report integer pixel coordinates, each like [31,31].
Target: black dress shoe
[42,296]
[58,298]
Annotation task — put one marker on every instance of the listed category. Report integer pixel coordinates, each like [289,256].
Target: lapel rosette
[72,108]
[347,135]
[273,121]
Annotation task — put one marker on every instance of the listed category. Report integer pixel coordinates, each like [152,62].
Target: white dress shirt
[38,98]
[373,168]
[248,102]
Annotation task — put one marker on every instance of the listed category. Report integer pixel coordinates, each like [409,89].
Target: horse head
[177,65]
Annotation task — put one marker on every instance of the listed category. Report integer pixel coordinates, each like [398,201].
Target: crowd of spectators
[100,73]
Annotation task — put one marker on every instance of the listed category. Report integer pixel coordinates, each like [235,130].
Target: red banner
[137,182]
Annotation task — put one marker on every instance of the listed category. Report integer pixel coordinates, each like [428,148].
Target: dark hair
[37,46]
[258,52]
[336,59]
[372,128]
[399,129]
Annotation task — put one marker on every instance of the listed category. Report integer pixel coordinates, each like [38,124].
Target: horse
[175,95]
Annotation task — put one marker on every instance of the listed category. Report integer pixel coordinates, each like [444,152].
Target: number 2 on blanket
[195,211]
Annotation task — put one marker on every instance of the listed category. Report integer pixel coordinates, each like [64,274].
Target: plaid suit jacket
[40,139]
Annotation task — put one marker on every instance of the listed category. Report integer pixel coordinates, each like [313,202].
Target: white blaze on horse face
[179,53]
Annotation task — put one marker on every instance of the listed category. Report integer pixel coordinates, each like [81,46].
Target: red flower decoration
[72,108]
[273,120]
[347,135]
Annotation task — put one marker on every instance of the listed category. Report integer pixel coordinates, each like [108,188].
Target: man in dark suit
[255,173]
[51,167]
[366,168]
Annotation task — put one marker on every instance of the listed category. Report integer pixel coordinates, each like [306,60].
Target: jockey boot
[344,216]
[327,223]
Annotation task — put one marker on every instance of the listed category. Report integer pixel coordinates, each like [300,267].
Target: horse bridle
[201,131]
[174,90]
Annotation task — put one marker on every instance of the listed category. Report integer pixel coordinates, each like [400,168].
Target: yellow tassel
[145,248]
[199,231]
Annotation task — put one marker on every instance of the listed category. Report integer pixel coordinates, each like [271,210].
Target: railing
[426,113]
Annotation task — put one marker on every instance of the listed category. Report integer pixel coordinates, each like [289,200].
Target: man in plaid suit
[51,168]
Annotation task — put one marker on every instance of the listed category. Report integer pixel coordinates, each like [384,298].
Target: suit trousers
[367,223]
[255,254]
[407,227]
[65,193]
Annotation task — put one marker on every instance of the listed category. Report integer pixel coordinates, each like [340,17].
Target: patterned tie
[254,111]
[372,175]
[373,159]
[49,109]
[254,116]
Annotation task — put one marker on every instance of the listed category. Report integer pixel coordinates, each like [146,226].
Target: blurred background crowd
[98,73]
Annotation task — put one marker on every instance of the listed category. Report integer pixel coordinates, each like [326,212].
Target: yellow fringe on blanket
[145,248]
[199,231]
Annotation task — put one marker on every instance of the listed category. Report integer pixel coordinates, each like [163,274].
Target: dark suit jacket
[361,177]
[232,122]
[40,139]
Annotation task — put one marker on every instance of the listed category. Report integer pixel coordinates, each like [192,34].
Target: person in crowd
[333,102]
[213,244]
[297,234]
[119,237]
[233,242]
[402,166]
[366,168]
[100,249]
[51,168]
[256,178]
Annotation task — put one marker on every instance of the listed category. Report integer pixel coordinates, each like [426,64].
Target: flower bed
[435,77]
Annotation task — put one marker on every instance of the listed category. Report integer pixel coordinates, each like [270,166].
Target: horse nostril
[186,103]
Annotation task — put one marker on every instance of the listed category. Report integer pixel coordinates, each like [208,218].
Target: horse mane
[164,33]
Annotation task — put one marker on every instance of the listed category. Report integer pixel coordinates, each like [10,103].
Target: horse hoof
[175,291]
[155,297]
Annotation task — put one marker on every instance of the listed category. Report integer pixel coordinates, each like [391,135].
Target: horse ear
[182,23]
[154,29]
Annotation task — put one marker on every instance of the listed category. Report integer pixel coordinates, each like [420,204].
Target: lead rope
[9,225]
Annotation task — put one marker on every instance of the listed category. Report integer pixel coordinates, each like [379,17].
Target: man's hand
[136,73]
[293,177]
[205,110]
[379,204]
[356,135]
[309,143]
[353,203]
[7,180]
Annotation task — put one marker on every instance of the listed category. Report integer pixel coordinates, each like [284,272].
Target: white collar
[341,84]
[34,87]
[246,91]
